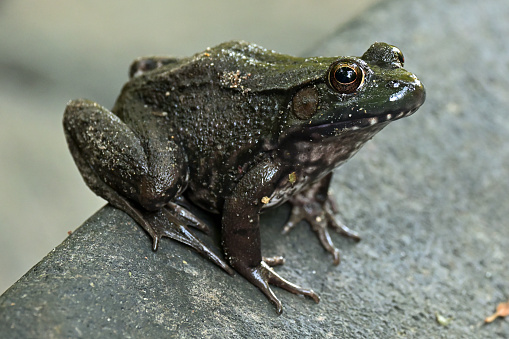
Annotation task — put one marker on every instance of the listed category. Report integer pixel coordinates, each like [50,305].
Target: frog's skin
[234,130]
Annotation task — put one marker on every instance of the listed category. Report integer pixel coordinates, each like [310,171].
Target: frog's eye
[399,55]
[345,76]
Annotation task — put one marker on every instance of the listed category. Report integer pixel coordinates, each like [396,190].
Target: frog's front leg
[316,207]
[140,177]
[241,232]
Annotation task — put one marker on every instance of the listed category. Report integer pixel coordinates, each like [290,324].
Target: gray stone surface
[429,196]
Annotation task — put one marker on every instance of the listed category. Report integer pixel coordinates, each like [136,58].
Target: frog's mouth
[334,128]
[403,103]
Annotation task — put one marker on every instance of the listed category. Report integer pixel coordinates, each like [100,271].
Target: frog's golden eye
[399,55]
[345,77]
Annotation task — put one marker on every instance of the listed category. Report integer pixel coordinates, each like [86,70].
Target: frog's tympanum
[235,130]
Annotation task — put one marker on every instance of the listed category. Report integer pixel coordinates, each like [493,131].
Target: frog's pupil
[345,75]
[401,58]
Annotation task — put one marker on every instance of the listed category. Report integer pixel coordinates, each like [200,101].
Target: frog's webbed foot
[170,221]
[315,207]
[263,275]
[164,223]
[187,217]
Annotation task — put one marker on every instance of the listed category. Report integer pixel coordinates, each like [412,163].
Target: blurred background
[54,51]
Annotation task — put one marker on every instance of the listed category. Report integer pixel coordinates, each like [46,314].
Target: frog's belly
[287,188]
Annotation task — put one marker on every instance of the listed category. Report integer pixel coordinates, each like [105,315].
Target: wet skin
[235,130]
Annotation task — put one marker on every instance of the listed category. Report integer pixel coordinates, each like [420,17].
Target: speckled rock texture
[429,195]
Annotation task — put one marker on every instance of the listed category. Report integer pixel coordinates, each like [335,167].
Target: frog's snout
[410,93]
[419,93]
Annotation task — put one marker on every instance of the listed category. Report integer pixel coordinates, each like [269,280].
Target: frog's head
[357,93]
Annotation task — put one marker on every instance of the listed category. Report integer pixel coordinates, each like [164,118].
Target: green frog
[235,130]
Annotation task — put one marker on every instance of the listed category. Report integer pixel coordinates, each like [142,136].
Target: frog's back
[224,105]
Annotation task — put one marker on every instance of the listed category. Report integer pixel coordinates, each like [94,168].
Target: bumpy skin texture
[234,130]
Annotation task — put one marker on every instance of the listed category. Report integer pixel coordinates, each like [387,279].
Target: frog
[236,130]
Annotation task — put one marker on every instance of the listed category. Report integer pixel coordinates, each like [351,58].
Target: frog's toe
[274,261]
[296,216]
[263,275]
[164,224]
[337,225]
[276,280]
[187,217]
[343,229]
[325,240]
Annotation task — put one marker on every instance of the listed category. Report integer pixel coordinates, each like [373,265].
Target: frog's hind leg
[138,179]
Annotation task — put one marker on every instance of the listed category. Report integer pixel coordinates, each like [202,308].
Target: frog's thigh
[109,154]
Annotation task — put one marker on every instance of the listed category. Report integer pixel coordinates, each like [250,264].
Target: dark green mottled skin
[236,129]
[227,110]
